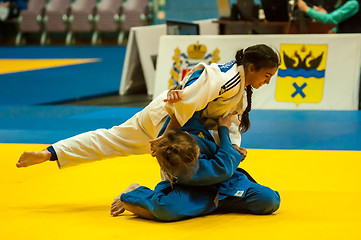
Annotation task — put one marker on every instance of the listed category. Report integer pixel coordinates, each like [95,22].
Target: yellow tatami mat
[320,199]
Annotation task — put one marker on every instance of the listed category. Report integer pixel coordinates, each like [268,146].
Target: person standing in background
[347,15]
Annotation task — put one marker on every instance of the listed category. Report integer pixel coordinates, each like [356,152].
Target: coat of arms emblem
[184,62]
[302,73]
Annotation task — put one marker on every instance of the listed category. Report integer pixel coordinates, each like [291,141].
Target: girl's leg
[117,205]
[131,137]
[172,204]
[127,139]
[34,157]
[258,200]
[139,211]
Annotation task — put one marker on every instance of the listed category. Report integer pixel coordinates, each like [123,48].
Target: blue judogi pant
[237,195]
[216,186]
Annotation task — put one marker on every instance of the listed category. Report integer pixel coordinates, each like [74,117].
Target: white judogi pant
[220,88]
[130,138]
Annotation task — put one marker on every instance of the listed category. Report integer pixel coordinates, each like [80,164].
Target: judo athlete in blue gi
[217,184]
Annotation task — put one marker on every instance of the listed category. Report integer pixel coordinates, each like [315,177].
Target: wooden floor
[320,199]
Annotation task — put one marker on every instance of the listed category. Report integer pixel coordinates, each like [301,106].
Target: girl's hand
[225,121]
[303,6]
[241,150]
[320,9]
[174,96]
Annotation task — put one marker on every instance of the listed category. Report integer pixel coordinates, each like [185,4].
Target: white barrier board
[142,53]
[323,73]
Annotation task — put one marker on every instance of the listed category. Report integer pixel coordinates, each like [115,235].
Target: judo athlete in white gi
[215,186]
[219,88]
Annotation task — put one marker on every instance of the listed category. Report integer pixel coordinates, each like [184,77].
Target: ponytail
[239,56]
[245,123]
[261,56]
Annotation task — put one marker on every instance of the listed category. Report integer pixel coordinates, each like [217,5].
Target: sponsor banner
[316,72]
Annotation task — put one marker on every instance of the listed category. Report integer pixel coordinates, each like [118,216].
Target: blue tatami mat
[318,130]
[59,83]
[49,124]
[270,129]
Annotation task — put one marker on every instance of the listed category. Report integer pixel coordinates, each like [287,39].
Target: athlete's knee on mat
[168,210]
[268,202]
[261,200]
[165,214]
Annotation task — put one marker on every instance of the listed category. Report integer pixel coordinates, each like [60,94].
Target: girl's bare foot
[31,158]
[117,207]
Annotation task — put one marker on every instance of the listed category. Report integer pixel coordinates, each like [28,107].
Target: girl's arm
[218,169]
[173,124]
[224,163]
[234,131]
[341,14]
[198,94]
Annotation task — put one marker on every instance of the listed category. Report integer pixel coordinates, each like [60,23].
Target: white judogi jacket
[219,86]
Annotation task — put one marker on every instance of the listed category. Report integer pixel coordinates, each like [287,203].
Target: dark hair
[177,152]
[261,56]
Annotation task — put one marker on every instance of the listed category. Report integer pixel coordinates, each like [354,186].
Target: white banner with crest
[317,71]
[142,52]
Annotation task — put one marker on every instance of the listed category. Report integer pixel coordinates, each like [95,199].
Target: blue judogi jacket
[215,179]
[215,163]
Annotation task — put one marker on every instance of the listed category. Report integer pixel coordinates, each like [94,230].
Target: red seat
[30,18]
[107,18]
